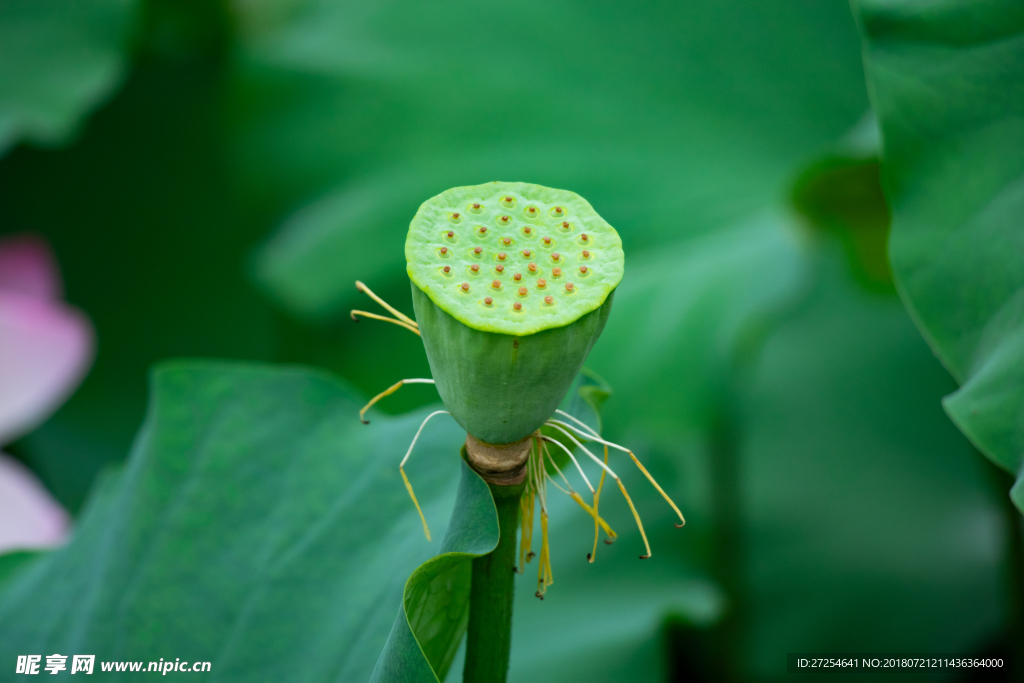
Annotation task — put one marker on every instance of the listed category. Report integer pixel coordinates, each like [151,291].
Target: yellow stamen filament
[387,392]
[618,481]
[393,311]
[558,443]
[401,468]
[594,437]
[367,314]
[597,499]
[579,499]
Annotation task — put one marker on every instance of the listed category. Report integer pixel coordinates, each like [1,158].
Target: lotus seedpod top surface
[513,258]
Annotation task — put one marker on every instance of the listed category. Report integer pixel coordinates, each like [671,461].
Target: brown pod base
[499,464]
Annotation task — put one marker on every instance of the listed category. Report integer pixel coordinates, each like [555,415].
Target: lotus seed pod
[504,344]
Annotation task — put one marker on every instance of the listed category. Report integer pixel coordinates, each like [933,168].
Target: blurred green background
[213,177]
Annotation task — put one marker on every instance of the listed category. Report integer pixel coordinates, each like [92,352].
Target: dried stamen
[401,468]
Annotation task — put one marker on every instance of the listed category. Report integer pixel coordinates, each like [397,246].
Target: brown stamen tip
[444,250]
[455,216]
[496,284]
[608,541]
[500,268]
[556,271]
[539,595]
[502,255]
[532,209]
[518,306]
[465,286]
[508,199]
[488,300]
[447,269]
[531,555]
[569,286]
[522,291]
[353,316]
[517,277]
[365,422]
[451,233]
[645,557]
[482,230]
[586,254]
[476,206]
[478,250]
[532,267]
[583,269]
[542,283]
[548,299]
[588,558]
[474,267]
[680,526]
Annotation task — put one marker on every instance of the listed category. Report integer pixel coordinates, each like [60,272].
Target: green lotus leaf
[945,81]
[58,60]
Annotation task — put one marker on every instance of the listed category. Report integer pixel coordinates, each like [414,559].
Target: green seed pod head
[512,284]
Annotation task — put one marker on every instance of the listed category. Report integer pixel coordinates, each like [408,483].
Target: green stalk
[489,636]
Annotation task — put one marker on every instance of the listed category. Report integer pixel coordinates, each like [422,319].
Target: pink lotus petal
[29,516]
[27,266]
[46,348]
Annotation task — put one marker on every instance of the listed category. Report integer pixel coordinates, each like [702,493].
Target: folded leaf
[945,81]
